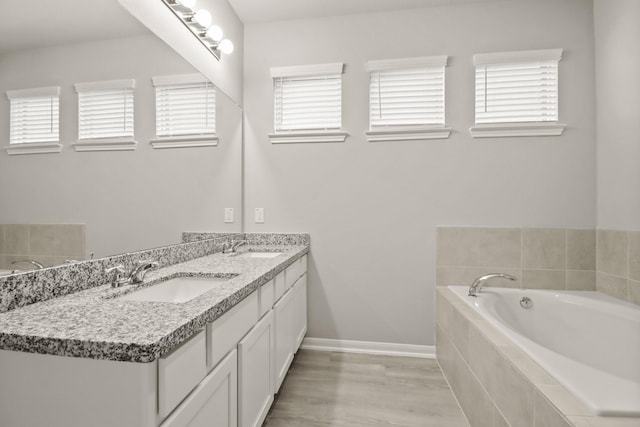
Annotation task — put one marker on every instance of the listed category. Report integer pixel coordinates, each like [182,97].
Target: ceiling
[254,11]
[27,24]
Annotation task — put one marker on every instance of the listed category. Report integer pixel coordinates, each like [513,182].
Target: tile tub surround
[618,261]
[19,290]
[541,258]
[495,382]
[49,244]
[96,324]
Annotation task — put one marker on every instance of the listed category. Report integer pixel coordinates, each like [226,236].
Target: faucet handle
[118,279]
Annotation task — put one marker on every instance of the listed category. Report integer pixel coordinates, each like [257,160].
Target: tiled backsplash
[619,264]
[48,244]
[541,258]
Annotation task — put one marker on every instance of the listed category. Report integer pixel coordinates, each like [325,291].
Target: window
[34,120]
[406,99]
[308,103]
[105,115]
[518,92]
[185,111]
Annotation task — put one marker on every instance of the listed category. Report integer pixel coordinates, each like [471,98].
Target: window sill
[185,142]
[517,129]
[408,134]
[305,137]
[33,148]
[106,144]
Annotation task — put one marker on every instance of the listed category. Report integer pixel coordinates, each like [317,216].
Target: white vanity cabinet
[299,311]
[223,376]
[255,377]
[283,314]
[214,402]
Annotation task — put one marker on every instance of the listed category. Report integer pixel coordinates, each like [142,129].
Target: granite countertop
[96,324]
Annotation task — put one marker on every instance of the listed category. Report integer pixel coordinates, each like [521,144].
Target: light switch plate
[259,216]
[228,215]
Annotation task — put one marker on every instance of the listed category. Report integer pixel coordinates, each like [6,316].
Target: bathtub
[588,341]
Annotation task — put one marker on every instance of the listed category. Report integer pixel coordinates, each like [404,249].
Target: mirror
[65,206]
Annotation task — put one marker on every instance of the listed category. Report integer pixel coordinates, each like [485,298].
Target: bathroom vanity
[102,358]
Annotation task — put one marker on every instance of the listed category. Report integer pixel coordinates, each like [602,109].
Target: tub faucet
[474,290]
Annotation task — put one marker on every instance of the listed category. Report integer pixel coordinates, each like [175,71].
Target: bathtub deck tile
[564,400]
[582,421]
[546,415]
[536,373]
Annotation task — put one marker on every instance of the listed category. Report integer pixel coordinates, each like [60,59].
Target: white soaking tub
[588,341]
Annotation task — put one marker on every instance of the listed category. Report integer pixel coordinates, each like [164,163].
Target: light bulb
[215,33]
[203,17]
[226,46]
[187,3]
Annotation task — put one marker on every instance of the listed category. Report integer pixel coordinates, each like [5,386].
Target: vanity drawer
[267,292]
[279,286]
[180,371]
[292,274]
[224,333]
[295,271]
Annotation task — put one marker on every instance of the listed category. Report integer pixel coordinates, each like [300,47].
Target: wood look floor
[346,389]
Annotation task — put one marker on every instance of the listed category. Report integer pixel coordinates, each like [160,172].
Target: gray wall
[372,208]
[128,200]
[617,32]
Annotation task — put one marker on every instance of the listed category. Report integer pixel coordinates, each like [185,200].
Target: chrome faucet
[237,244]
[229,247]
[134,277]
[139,271]
[119,278]
[36,264]
[474,290]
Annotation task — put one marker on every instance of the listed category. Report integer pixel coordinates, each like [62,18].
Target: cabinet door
[255,375]
[214,403]
[299,311]
[284,338]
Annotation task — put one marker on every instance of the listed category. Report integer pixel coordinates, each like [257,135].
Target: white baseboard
[381,348]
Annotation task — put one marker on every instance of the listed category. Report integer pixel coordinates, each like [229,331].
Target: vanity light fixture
[199,22]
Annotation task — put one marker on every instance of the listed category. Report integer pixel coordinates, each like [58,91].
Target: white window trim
[307,70]
[127,143]
[412,133]
[516,129]
[500,130]
[106,144]
[298,137]
[183,141]
[304,137]
[33,147]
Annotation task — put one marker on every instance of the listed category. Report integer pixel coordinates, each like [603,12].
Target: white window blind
[105,109]
[520,87]
[407,92]
[308,98]
[34,115]
[185,105]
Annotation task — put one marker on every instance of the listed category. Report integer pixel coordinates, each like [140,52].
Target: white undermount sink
[258,254]
[177,290]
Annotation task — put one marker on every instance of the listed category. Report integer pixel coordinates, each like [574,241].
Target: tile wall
[541,258]
[48,244]
[618,260]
